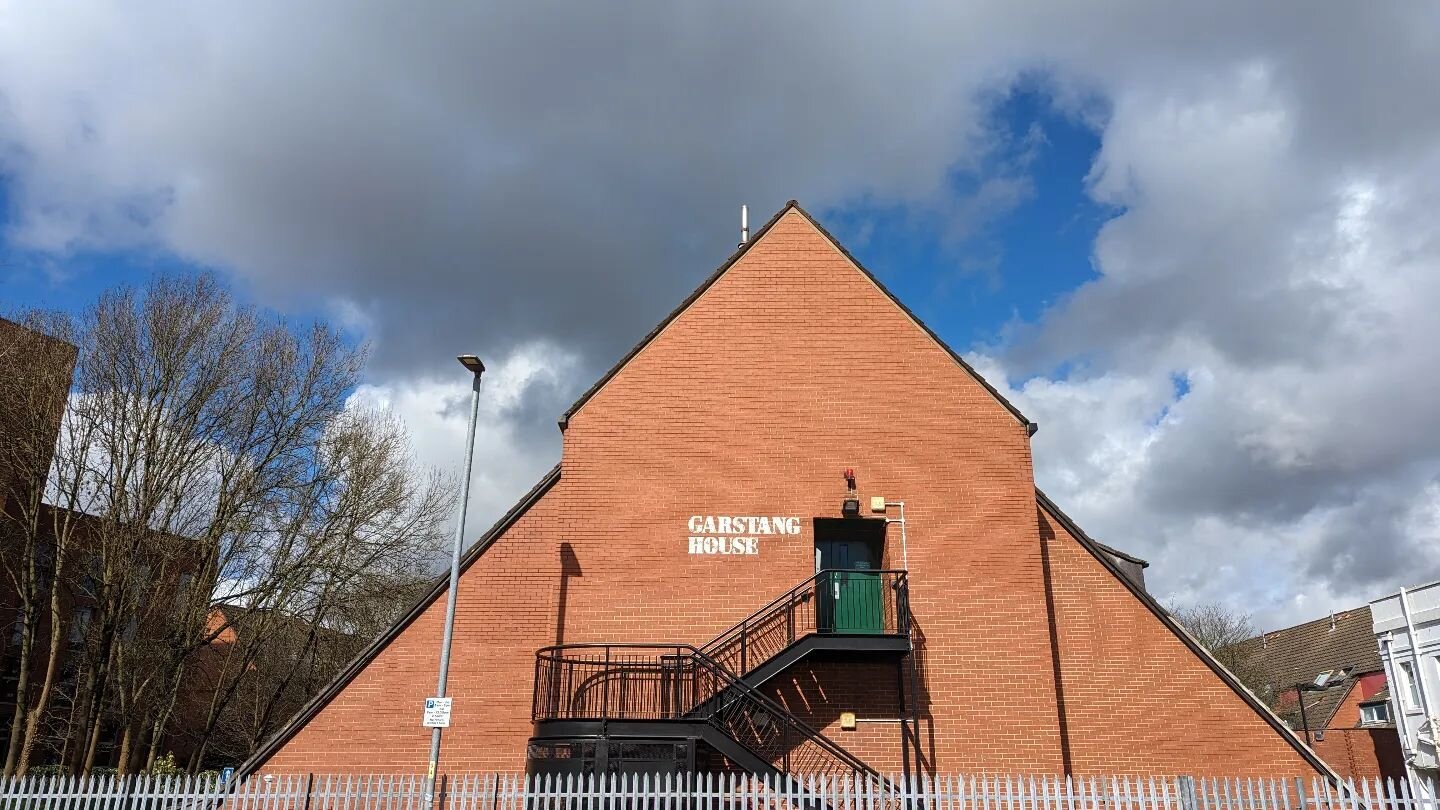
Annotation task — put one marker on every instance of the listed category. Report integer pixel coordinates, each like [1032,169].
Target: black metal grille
[673,682]
[599,682]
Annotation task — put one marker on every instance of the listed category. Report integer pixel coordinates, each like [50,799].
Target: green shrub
[165,766]
[46,770]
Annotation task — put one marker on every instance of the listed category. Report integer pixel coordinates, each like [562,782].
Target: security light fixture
[850,507]
[472,364]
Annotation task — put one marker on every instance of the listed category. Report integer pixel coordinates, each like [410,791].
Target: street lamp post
[1300,690]
[475,367]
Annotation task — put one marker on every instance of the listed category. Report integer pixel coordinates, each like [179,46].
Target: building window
[1409,687]
[1375,713]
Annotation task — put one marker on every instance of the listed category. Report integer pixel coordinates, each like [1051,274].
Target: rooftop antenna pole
[744,224]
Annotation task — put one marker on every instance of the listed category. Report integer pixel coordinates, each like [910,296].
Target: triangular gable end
[438,588]
[730,262]
[1266,713]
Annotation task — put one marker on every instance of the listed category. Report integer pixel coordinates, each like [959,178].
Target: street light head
[472,363]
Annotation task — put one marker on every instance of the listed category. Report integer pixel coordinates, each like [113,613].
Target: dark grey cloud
[541,182]
[492,175]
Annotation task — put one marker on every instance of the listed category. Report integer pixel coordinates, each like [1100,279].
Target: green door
[851,600]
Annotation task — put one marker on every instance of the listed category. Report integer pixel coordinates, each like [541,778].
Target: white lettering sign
[437,712]
[736,534]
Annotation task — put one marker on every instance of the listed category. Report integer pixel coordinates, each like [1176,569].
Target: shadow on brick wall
[569,567]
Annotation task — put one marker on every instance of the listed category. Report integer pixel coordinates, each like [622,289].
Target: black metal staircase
[856,611]
[648,694]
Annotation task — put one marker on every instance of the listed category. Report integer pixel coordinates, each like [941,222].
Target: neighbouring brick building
[36,369]
[702,498]
[1334,664]
[36,373]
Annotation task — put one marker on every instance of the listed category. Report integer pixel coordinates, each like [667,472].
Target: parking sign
[437,712]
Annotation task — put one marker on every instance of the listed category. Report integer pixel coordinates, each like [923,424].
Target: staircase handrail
[787,602]
[806,730]
[732,683]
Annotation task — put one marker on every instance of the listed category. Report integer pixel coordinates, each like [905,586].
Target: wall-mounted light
[850,507]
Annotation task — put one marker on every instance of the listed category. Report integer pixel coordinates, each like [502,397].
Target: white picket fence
[705,792]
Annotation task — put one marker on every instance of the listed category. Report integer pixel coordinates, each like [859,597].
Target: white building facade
[1407,626]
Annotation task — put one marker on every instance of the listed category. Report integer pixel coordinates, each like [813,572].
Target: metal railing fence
[706,792]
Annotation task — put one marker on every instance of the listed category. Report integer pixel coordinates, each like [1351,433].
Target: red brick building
[36,372]
[701,486]
[1335,663]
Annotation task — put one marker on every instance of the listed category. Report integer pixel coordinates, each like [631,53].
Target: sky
[1195,242]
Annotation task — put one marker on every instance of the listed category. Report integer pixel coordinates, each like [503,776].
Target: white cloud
[510,456]
[1298,473]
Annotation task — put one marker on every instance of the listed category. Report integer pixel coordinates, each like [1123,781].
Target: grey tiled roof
[1299,654]
[1320,706]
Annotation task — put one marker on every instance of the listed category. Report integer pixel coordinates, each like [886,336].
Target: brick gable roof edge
[356,666]
[730,262]
[1265,712]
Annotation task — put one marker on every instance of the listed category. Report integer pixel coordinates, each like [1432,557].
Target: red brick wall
[790,368]
[819,692]
[505,611]
[1136,698]
[1361,752]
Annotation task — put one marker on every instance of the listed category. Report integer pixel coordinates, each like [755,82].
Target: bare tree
[208,458]
[370,527]
[1223,630]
